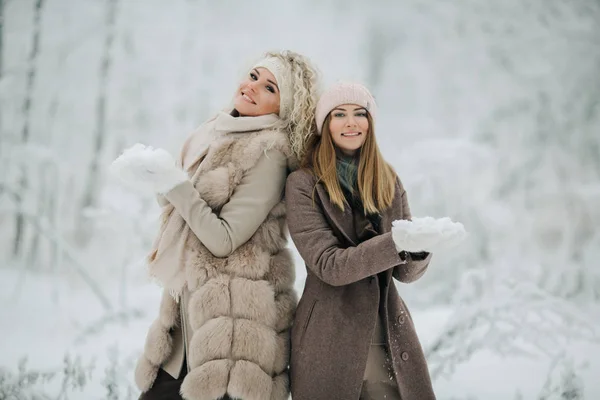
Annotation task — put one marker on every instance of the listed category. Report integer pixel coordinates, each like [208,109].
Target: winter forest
[489,112]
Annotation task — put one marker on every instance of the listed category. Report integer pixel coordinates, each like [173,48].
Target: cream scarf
[166,260]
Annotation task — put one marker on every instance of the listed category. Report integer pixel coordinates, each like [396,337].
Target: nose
[351,121]
[252,86]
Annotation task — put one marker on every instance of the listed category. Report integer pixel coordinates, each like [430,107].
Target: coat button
[404,356]
[401,319]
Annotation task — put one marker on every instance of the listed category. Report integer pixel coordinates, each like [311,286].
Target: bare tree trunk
[92,182]
[48,189]
[379,46]
[1,64]
[1,46]
[25,133]
[43,191]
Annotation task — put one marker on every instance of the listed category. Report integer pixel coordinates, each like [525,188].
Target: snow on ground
[44,318]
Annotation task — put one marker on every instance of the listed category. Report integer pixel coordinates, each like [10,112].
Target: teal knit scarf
[347,172]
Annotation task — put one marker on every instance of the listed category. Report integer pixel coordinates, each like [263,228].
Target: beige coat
[235,313]
[337,313]
[260,190]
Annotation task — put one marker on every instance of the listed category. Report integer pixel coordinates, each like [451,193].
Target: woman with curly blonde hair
[228,301]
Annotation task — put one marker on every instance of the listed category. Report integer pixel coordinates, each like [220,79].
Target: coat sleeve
[259,191]
[319,246]
[415,263]
[161,200]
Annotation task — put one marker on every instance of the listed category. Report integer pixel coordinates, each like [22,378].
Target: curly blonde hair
[300,124]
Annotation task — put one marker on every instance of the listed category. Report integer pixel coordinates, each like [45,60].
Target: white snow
[427,234]
[147,169]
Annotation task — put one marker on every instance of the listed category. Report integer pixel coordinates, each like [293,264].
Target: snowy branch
[514,319]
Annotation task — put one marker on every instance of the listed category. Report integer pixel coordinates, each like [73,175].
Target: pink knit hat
[344,93]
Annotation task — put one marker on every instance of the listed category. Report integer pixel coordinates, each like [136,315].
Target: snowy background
[489,111]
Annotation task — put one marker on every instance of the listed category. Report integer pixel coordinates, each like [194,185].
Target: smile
[248,98]
[351,134]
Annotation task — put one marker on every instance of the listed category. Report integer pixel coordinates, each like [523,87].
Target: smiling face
[349,127]
[258,94]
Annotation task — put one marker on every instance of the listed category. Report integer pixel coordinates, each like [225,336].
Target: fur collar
[230,123]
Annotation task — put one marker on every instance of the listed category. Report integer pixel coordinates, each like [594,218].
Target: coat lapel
[343,220]
[387,217]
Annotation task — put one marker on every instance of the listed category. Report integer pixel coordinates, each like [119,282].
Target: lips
[351,134]
[248,98]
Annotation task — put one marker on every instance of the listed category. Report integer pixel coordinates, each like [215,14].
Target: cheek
[364,139]
[268,103]
[365,129]
[336,139]
[335,128]
[364,126]
[276,100]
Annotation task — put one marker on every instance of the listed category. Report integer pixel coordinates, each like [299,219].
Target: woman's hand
[147,169]
[427,234]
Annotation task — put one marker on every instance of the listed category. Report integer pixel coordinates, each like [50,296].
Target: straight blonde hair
[376,178]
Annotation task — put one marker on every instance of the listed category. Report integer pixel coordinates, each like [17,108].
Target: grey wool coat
[336,316]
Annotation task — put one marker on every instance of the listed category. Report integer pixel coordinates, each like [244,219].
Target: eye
[362,114]
[339,114]
[253,76]
[270,89]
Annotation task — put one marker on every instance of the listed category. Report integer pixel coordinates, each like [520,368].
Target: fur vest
[241,307]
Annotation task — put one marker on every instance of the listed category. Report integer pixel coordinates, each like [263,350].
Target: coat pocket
[307,321]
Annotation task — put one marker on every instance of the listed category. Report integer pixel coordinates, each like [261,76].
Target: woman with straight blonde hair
[353,336]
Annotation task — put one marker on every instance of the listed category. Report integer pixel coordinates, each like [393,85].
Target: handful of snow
[427,234]
[147,169]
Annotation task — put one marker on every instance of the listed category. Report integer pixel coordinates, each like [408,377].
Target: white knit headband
[283,77]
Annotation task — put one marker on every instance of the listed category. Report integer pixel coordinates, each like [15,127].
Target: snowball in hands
[426,234]
[147,169]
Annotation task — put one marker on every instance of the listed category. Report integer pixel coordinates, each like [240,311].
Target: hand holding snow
[427,234]
[147,169]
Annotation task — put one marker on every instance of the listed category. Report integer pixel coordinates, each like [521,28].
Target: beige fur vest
[241,307]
